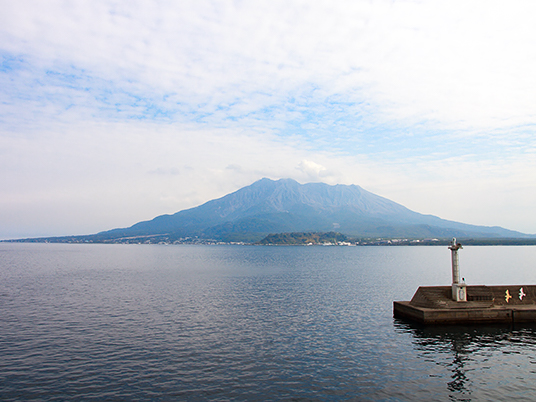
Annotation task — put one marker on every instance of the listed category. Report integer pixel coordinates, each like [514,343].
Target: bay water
[187,323]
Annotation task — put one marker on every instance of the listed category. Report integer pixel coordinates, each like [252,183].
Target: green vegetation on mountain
[303,238]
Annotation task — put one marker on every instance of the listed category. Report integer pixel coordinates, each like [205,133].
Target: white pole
[454,247]
[456,295]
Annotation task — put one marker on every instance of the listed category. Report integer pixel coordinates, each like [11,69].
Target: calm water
[127,322]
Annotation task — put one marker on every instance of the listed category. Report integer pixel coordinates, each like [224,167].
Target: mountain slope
[284,205]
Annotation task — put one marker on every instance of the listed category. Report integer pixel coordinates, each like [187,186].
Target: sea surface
[194,323]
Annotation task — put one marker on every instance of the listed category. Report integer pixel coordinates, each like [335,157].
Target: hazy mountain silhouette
[269,206]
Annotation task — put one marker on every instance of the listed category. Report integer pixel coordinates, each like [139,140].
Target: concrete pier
[462,304]
[485,305]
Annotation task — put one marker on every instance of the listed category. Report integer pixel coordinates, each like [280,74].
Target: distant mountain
[269,206]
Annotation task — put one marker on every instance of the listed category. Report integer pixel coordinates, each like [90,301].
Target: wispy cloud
[401,63]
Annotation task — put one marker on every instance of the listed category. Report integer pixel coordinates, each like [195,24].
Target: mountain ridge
[284,206]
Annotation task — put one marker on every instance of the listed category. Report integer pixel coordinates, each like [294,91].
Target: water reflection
[474,357]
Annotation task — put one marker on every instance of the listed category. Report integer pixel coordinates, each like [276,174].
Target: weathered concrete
[485,304]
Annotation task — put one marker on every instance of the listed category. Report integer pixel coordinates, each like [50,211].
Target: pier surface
[485,305]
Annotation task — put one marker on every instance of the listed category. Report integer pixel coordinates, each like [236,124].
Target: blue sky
[115,112]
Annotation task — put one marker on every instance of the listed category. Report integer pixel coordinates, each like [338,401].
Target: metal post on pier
[459,291]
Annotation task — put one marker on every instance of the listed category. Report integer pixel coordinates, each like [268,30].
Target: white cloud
[312,170]
[460,64]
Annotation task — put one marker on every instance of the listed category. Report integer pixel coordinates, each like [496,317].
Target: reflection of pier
[462,304]
[469,356]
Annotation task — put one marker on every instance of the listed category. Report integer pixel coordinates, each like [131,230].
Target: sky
[114,112]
